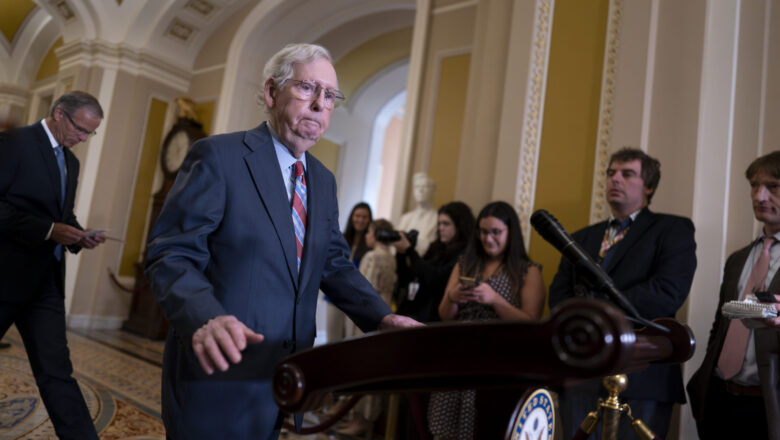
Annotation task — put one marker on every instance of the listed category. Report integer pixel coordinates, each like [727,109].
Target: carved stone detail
[532,119]
[598,205]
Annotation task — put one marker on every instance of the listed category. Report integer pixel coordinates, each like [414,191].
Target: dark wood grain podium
[580,340]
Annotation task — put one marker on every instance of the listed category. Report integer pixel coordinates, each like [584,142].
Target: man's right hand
[222,336]
[66,234]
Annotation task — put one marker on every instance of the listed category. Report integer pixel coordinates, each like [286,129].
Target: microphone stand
[611,410]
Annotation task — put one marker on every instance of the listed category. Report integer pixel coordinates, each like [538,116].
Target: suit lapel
[72,177]
[592,240]
[315,198]
[52,169]
[635,233]
[264,167]
[732,278]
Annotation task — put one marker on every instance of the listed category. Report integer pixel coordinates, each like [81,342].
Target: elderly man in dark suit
[736,391]
[651,258]
[248,235]
[38,177]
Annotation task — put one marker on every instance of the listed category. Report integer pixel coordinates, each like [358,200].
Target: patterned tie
[607,243]
[60,155]
[299,209]
[733,353]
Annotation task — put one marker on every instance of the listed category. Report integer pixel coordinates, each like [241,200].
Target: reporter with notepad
[735,393]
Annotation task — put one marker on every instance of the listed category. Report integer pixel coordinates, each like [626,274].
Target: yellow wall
[143,187]
[448,45]
[447,126]
[571,110]
[12,15]
[369,58]
[50,64]
[205,112]
[355,68]
[328,153]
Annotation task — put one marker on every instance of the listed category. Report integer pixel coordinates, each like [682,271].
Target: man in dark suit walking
[736,391]
[38,177]
[651,258]
[248,235]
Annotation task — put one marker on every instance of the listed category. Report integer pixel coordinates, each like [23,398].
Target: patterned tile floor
[122,392]
[119,374]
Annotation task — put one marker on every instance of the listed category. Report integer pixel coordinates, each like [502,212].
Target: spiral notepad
[748,309]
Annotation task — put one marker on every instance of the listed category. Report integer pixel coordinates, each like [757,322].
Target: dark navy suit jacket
[653,267]
[224,245]
[29,204]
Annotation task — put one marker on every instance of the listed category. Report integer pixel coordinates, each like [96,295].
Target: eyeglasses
[77,126]
[492,232]
[311,90]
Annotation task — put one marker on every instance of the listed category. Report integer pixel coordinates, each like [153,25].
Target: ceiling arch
[274,23]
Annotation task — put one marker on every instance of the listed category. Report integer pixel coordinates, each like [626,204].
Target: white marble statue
[423,218]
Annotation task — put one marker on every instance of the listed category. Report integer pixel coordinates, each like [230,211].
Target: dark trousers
[41,323]
[728,415]
[577,401]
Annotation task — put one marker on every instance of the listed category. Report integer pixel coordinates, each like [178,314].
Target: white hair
[280,67]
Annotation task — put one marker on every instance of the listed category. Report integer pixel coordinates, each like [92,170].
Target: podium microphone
[548,227]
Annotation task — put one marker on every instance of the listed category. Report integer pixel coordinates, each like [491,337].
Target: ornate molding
[533,114]
[124,58]
[11,94]
[598,205]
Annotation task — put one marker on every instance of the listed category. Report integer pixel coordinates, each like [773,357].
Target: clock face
[176,151]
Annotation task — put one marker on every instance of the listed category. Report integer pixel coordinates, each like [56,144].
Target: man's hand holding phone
[92,238]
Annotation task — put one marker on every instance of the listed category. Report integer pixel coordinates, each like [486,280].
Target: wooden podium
[581,339]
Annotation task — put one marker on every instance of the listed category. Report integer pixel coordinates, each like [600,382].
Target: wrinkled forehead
[319,70]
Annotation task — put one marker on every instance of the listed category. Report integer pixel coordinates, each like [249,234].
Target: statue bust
[423,217]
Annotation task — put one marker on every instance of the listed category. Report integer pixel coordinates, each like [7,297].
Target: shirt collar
[53,141]
[761,236]
[632,216]
[283,155]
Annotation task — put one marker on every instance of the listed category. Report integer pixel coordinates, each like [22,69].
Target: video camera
[386,236]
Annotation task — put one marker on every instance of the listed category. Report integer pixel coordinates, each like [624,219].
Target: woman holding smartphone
[494,279]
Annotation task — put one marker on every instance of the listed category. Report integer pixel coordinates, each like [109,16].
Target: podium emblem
[536,418]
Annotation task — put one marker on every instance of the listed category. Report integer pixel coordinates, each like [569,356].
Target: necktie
[733,352]
[299,209]
[60,155]
[607,243]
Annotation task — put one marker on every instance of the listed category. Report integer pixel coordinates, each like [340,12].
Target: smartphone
[765,297]
[468,282]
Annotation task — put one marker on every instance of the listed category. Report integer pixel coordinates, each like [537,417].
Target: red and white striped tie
[299,209]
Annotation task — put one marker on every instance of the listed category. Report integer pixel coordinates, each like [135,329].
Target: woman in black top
[422,280]
[357,226]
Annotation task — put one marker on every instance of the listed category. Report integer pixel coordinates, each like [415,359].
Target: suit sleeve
[25,228]
[178,252]
[561,286]
[345,286]
[672,269]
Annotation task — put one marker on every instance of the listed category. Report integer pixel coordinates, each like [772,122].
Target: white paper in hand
[748,309]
